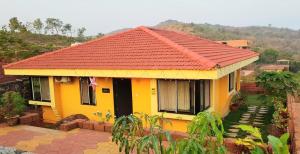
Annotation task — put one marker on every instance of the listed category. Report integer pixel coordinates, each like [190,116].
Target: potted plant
[12,105]
[236,101]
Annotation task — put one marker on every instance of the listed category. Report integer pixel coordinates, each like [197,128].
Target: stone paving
[47,141]
[254,117]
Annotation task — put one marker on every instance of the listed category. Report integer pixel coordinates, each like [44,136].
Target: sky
[104,16]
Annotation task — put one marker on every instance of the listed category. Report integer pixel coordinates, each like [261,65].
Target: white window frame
[41,89]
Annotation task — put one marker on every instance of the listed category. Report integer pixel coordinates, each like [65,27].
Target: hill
[282,39]
[19,45]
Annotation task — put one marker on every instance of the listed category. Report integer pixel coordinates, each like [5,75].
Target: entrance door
[122,97]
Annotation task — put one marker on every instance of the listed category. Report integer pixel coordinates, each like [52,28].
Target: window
[231,81]
[183,96]
[40,89]
[88,94]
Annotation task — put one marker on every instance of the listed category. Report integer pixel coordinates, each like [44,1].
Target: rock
[234,130]
[257,123]
[231,134]
[243,122]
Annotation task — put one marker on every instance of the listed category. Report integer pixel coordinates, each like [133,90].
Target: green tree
[269,56]
[14,24]
[38,25]
[80,33]
[277,84]
[54,25]
[67,28]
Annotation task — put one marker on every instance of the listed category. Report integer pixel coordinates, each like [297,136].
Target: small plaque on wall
[105,90]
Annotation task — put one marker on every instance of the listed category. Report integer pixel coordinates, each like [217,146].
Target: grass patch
[252,99]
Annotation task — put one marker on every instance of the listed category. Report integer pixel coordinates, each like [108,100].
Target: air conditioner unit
[63,79]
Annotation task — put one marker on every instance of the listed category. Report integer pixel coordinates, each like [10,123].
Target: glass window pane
[167,95]
[92,95]
[193,97]
[207,94]
[183,96]
[201,95]
[84,85]
[35,81]
[45,92]
[231,81]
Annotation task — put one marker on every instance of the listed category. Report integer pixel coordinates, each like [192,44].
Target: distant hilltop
[261,37]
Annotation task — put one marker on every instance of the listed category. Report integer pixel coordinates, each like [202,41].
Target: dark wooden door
[122,97]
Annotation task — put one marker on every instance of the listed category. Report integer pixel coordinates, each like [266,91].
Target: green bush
[12,104]
[277,84]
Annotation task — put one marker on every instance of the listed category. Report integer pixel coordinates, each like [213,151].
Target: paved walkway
[47,141]
[254,117]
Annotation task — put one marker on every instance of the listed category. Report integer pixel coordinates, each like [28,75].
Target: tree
[277,84]
[67,28]
[38,25]
[269,56]
[14,24]
[80,33]
[53,24]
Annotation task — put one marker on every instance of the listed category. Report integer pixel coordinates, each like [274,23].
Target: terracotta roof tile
[140,48]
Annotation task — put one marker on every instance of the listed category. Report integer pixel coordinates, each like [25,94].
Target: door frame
[117,100]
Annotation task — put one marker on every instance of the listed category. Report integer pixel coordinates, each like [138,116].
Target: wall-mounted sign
[153,91]
[105,90]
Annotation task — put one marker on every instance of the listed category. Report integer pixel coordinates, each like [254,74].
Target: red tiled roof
[140,48]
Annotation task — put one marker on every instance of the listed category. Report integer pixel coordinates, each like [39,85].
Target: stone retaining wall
[293,105]
[20,85]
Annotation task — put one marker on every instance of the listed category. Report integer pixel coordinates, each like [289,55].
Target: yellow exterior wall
[68,100]
[238,80]
[141,98]
[144,100]
[48,115]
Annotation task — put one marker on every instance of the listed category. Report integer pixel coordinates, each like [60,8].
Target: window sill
[177,116]
[31,102]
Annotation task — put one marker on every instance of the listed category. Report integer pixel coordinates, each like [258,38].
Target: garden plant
[205,135]
[12,106]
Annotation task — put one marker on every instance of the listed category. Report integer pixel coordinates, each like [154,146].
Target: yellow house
[140,70]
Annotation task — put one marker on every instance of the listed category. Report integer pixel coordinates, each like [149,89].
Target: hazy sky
[105,16]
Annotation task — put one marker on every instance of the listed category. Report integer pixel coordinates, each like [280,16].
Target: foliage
[126,131]
[38,25]
[279,145]
[53,24]
[280,116]
[67,28]
[80,33]
[269,56]
[250,141]
[101,118]
[12,104]
[277,84]
[154,140]
[201,131]
[261,37]
[239,97]
[205,135]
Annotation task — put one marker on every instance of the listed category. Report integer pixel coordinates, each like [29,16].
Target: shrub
[13,104]
[205,135]
[256,145]
[277,84]
[280,116]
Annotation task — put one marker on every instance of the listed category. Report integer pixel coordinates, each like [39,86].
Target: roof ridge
[194,56]
[65,48]
[202,38]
